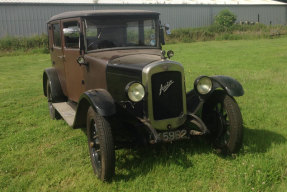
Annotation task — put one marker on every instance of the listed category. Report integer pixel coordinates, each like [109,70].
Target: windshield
[118,32]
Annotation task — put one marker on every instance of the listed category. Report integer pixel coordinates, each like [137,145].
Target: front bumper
[193,126]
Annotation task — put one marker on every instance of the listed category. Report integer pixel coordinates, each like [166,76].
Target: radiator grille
[167,94]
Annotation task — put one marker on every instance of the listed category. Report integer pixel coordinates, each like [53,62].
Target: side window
[71,32]
[56,35]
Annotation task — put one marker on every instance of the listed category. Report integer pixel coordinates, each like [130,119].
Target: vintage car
[110,77]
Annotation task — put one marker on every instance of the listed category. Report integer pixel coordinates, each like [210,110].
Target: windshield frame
[152,17]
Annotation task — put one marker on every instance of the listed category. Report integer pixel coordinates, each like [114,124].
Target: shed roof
[88,13]
[203,2]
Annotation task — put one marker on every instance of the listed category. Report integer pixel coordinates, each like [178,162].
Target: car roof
[87,13]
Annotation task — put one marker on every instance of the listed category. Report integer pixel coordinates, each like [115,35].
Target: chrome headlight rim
[131,92]
[203,85]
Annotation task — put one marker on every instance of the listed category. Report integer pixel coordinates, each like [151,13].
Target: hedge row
[186,35]
[235,32]
[23,43]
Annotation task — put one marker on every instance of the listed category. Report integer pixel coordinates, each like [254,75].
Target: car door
[71,51]
[56,50]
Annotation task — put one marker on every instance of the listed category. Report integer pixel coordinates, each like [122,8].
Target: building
[28,17]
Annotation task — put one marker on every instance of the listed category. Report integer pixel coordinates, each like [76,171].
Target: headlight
[135,91]
[204,85]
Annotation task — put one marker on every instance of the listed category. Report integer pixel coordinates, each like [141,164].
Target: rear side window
[56,35]
[71,32]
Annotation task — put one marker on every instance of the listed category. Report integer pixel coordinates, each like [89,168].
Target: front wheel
[223,118]
[101,146]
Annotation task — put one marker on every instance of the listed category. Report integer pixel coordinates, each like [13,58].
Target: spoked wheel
[101,146]
[223,118]
[53,112]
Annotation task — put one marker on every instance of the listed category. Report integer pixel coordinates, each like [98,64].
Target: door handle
[61,56]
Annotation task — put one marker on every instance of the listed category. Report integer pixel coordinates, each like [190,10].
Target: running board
[66,111]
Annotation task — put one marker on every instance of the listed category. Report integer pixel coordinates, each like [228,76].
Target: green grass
[40,154]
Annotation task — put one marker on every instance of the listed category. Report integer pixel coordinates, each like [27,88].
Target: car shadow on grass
[259,140]
[136,162]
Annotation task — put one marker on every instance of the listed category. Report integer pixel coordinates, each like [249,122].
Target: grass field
[40,154]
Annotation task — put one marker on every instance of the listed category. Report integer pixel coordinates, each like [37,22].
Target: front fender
[101,101]
[230,85]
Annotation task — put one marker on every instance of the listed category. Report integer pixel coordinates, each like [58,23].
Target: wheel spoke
[217,108]
[227,123]
[223,123]
[221,108]
[95,145]
[228,133]
[102,150]
[99,165]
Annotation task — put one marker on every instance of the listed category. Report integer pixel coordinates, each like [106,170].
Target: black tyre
[53,112]
[101,145]
[223,118]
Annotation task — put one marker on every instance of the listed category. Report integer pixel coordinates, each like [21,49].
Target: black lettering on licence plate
[173,135]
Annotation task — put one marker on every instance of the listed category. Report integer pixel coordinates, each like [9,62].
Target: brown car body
[109,74]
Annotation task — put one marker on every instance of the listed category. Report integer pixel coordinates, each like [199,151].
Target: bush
[225,19]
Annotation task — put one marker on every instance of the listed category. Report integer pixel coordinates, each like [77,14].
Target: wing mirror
[72,32]
[167,29]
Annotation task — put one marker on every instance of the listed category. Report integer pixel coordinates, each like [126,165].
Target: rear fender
[101,101]
[56,89]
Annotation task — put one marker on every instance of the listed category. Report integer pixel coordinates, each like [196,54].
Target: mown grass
[40,154]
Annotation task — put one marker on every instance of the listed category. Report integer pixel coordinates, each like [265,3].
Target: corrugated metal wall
[30,19]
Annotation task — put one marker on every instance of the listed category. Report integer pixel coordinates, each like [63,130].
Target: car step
[66,111]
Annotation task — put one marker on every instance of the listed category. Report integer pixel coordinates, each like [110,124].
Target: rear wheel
[54,114]
[223,118]
[101,146]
